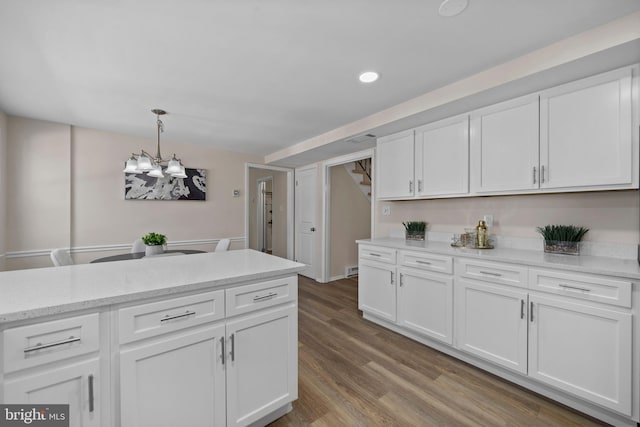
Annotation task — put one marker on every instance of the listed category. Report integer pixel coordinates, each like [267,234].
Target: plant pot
[414,235]
[560,247]
[153,250]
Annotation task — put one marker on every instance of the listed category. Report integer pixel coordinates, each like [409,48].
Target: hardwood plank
[353,372]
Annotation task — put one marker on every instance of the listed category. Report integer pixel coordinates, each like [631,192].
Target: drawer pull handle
[576,288]
[372,254]
[233,347]
[491,273]
[178,316]
[222,356]
[265,297]
[423,262]
[40,346]
[91,404]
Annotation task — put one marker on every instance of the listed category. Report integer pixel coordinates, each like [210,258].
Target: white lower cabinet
[57,362]
[377,290]
[179,380]
[569,333]
[262,373]
[583,349]
[184,363]
[76,384]
[491,323]
[425,303]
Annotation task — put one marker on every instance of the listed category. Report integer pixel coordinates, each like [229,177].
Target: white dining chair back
[223,245]
[61,257]
[138,246]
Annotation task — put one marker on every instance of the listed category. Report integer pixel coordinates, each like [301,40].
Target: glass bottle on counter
[481,234]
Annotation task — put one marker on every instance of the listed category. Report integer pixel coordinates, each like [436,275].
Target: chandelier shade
[153,166]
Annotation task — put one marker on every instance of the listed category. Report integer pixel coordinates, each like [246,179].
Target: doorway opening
[348,212]
[264,213]
[269,209]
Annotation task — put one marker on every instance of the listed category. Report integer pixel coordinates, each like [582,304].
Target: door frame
[247,203]
[325,221]
[260,213]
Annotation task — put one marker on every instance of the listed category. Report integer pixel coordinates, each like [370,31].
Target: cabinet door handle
[391,277]
[40,346]
[419,186]
[534,174]
[223,354]
[400,279]
[491,273]
[542,174]
[264,297]
[410,186]
[233,347]
[522,309]
[531,311]
[576,288]
[178,316]
[91,404]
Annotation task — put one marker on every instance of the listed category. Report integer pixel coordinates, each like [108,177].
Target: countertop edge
[615,267]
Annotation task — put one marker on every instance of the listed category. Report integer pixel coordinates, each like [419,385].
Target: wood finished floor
[355,373]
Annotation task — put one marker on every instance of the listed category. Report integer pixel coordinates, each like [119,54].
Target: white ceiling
[258,76]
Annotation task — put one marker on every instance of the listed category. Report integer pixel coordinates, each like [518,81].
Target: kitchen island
[203,339]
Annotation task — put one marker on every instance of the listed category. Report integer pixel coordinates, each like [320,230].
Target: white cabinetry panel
[585,350]
[442,158]
[177,381]
[504,147]
[395,171]
[586,132]
[491,322]
[425,303]
[376,289]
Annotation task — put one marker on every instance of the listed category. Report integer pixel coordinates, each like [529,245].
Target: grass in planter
[562,233]
[415,226]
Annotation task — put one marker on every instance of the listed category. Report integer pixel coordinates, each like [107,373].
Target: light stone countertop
[26,294]
[625,268]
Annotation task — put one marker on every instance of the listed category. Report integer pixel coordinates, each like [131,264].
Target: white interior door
[305,201]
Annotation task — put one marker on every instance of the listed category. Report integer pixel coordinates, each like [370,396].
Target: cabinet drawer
[33,345]
[425,261]
[378,253]
[156,318]
[583,286]
[244,299]
[495,272]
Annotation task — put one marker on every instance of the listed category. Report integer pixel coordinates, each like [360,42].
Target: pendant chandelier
[153,166]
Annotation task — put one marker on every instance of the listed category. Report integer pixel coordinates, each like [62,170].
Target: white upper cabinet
[581,136]
[442,158]
[586,133]
[394,171]
[504,147]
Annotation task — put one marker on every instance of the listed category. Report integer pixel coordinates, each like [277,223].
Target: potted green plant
[155,243]
[562,239]
[415,230]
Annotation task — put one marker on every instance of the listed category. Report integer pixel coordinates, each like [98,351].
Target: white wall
[66,189]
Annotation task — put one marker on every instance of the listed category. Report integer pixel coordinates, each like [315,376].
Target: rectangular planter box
[414,235]
[560,247]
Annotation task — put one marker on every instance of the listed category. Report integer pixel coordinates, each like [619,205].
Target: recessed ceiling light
[369,77]
[452,7]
